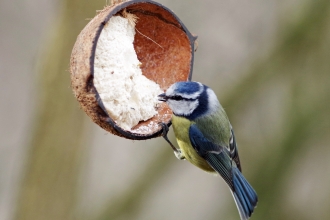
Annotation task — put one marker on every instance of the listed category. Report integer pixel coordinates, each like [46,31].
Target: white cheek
[182,107]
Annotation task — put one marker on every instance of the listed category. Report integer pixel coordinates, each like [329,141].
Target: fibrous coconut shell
[163,45]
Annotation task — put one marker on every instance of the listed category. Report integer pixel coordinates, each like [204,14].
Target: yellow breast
[181,130]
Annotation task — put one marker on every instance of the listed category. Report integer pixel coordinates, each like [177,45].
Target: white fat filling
[127,95]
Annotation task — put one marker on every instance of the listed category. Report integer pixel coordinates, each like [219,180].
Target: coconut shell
[168,61]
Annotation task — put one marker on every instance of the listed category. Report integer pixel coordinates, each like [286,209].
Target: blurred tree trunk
[56,150]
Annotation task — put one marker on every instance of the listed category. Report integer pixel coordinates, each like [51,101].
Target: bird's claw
[165,129]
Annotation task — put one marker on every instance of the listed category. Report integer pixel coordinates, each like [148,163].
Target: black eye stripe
[178,98]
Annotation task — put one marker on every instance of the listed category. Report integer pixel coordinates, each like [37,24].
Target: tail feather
[244,195]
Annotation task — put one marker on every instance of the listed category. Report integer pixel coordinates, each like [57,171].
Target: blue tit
[206,138]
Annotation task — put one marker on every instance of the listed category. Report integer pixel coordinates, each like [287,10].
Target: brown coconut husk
[163,45]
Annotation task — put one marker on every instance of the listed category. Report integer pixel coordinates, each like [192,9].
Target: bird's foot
[179,155]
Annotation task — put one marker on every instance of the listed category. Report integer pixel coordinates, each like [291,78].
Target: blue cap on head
[187,87]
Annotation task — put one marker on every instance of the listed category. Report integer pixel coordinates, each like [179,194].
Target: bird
[206,138]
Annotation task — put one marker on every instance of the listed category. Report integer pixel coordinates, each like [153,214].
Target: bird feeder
[110,78]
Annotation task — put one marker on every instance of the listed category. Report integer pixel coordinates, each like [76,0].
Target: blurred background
[269,63]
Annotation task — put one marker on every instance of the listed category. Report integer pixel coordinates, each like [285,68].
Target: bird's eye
[177,97]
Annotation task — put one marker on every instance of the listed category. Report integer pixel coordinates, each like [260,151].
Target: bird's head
[190,99]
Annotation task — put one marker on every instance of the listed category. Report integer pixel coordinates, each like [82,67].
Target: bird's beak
[162,97]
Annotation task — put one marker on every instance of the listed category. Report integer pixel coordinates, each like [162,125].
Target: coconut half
[123,59]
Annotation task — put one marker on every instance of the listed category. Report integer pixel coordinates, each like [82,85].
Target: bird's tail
[245,197]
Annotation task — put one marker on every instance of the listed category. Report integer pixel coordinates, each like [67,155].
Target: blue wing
[215,155]
[220,159]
